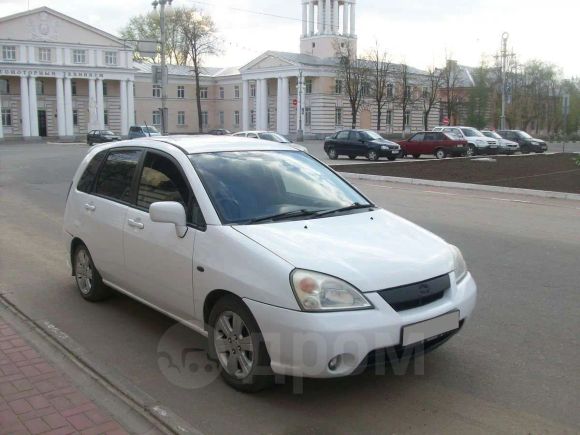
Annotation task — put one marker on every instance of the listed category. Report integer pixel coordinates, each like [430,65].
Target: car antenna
[147,127]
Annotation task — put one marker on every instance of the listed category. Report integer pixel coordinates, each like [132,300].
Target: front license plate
[430,328]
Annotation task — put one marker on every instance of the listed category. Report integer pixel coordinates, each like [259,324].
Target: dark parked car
[220,132]
[101,136]
[354,143]
[437,143]
[527,143]
[143,131]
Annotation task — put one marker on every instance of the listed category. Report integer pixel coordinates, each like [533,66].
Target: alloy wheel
[233,345]
[84,272]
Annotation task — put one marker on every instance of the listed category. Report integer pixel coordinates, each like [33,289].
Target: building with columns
[60,77]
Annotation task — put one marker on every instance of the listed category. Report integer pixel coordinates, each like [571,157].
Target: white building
[62,77]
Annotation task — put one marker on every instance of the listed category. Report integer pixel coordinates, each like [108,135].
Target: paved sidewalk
[36,397]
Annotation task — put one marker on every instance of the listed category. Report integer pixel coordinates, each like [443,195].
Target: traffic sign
[446,121]
[295,102]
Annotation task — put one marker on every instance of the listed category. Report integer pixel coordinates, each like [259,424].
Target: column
[258,103]
[327,18]
[320,17]
[264,104]
[1,125]
[60,112]
[25,107]
[130,104]
[245,105]
[279,105]
[285,110]
[352,20]
[300,99]
[304,19]
[68,107]
[311,17]
[345,18]
[100,104]
[93,115]
[123,96]
[336,22]
[33,107]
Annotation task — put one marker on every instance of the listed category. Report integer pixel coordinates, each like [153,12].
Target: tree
[354,74]
[379,72]
[405,95]
[479,95]
[433,82]
[199,36]
[451,75]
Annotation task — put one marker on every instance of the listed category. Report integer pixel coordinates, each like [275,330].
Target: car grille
[416,295]
[492,142]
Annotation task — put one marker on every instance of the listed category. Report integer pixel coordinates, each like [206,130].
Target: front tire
[372,155]
[352,157]
[392,158]
[332,155]
[416,156]
[471,151]
[87,277]
[440,154]
[236,342]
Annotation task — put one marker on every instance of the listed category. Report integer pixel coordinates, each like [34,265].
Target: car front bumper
[389,153]
[302,344]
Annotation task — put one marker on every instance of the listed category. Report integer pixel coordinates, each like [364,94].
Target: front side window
[203,93]
[6,117]
[343,135]
[44,54]
[8,52]
[79,56]
[161,181]
[418,137]
[87,180]
[235,184]
[110,58]
[116,176]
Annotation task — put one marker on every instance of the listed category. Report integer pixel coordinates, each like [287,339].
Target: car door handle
[90,207]
[135,224]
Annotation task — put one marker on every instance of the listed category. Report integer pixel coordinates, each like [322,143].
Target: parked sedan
[527,143]
[101,136]
[366,143]
[505,146]
[283,265]
[137,131]
[437,143]
[271,136]
[220,132]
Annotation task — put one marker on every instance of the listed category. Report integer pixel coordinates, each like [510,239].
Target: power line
[249,11]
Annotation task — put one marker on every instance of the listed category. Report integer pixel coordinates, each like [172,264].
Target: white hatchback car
[284,265]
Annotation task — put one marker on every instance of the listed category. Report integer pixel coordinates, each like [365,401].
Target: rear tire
[525,149]
[332,155]
[391,158]
[87,277]
[440,154]
[236,342]
[352,157]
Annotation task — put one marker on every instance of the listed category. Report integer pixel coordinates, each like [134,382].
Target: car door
[355,145]
[104,210]
[158,262]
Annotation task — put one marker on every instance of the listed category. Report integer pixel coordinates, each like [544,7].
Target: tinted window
[432,136]
[354,135]
[117,174]
[253,135]
[418,137]
[88,178]
[342,135]
[161,181]
[134,129]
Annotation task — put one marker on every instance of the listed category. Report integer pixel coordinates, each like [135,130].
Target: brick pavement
[37,398]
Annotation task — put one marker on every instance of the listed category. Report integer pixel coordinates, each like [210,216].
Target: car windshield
[107,133]
[150,130]
[246,186]
[371,135]
[491,134]
[273,137]
[453,136]
[471,132]
[524,135]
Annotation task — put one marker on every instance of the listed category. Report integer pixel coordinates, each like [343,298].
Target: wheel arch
[212,298]
[75,242]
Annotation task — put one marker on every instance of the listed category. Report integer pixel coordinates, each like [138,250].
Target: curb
[107,377]
[465,186]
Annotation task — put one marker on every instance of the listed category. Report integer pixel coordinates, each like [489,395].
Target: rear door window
[342,135]
[116,177]
[87,180]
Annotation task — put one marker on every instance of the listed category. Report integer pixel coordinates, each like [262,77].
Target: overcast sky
[416,31]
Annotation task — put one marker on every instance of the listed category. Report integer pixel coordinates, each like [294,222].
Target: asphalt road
[514,368]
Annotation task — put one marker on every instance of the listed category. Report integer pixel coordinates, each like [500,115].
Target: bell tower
[327,25]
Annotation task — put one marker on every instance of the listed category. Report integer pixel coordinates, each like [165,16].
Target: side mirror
[169,212]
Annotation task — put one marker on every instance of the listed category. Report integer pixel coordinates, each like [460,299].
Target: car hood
[383,142]
[371,250]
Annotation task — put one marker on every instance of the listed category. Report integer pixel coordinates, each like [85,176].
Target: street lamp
[504,39]
[162,4]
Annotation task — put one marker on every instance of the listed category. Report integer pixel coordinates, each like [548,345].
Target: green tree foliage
[479,99]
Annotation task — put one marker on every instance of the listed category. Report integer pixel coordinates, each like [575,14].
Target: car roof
[208,143]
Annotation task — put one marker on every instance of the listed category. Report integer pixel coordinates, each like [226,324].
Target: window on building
[253,90]
[338,116]
[425,92]
[110,58]
[39,87]
[156,117]
[204,119]
[389,117]
[307,116]
[237,118]
[105,88]
[366,89]
[253,118]
[222,119]
[203,93]
[222,93]
[4,87]
[180,91]
[338,86]
[181,118]
[390,90]
[236,92]
[44,54]
[407,119]
[106,116]
[79,56]
[156,91]
[75,117]
[6,117]
[308,85]
[73,87]
[8,52]
[408,91]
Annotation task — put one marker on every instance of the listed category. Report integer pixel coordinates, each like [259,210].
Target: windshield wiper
[354,206]
[285,215]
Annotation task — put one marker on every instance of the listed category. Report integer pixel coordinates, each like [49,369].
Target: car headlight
[480,142]
[459,263]
[384,147]
[319,292]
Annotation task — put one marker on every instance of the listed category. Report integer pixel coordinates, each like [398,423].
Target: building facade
[60,77]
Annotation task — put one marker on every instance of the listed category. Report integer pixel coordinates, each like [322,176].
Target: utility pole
[504,40]
[300,132]
[162,4]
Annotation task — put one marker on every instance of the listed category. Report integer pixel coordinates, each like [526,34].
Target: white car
[271,136]
[505,146]
[477,142]
[281,263]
